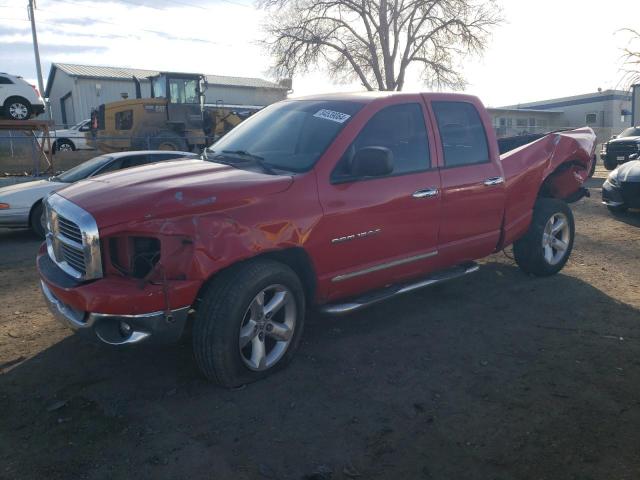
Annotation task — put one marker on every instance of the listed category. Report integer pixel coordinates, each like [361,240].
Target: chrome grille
[72,239]
[69,229]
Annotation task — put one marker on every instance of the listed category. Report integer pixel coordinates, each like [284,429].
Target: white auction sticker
[331,115]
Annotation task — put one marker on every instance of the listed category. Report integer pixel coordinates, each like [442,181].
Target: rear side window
[401,129]
[5,81]
[135,161]
[124,120]
[464,140]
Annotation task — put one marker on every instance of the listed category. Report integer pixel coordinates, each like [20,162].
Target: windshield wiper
[246,157]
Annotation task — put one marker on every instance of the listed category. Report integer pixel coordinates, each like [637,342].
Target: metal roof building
[74,90]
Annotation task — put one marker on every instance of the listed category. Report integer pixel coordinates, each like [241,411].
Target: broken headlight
[134,256]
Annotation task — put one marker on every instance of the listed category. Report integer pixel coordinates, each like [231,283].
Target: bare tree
[376,41]
[631,58]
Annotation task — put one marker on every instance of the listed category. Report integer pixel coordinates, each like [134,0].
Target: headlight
[604,148]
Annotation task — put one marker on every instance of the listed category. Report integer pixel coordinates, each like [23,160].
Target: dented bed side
[554,166]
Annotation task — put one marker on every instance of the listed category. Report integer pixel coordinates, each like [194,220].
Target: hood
[170,189]
[25,194]
[628,172]
[625,140]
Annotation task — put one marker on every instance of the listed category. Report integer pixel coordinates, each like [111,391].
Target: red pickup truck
[332,201]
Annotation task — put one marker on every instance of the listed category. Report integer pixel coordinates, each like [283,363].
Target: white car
[21,204]
[18,99]
[70,139]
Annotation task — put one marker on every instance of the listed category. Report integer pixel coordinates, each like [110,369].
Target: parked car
[72,138]
[621,189]
[618,150]
[336,202]
[18,99]
[21,204]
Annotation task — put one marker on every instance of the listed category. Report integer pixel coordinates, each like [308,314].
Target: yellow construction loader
[174,118]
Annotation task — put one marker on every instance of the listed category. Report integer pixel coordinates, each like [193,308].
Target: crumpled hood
[629,171]
[170,189]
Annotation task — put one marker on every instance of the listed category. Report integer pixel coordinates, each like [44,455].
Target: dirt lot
[498,376]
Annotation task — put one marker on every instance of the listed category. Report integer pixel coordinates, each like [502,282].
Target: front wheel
[37,220]
[249,322]
[64,145]
[547,245]
[610,164]
[617,208]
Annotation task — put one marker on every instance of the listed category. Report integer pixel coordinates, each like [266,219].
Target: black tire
[222,311]
[610,164]
[617,209]
[529,251]
[161,140]
[63,145]
[14,105]
[35,220]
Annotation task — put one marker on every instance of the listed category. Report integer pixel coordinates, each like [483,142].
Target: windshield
[630,132]
[83,170]
[289,135]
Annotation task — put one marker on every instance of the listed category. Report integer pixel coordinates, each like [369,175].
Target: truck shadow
[494,372]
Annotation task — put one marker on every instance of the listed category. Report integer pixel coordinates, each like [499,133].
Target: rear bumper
[37,109]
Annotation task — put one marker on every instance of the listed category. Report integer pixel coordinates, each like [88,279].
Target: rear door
[385,229]
[473,192]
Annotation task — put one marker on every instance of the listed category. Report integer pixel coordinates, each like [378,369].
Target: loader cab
[184,94]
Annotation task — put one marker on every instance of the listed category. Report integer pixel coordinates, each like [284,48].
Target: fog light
[125,329]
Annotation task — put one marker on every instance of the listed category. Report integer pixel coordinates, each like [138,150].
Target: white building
[608,112]
[74,90]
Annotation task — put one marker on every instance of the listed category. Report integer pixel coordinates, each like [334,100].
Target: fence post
[35,159]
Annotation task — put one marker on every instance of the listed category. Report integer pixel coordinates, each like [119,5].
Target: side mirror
[635,156]
[372,162]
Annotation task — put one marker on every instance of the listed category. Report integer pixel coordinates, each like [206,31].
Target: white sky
[546,48]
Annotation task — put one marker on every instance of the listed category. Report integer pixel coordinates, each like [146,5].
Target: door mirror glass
[372,162]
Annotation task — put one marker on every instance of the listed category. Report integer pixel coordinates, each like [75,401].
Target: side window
[592,118]
[135,161]
[124,120]
[464,140]
[85,127]
[401,129]
[5,81]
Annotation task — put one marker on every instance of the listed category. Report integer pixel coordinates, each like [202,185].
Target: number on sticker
[332,115]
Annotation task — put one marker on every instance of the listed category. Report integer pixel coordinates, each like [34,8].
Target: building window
[532,122]
[592,118]
[124,120]
[521,122]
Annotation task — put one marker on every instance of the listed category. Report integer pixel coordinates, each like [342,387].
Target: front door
[385,229]
[473,193]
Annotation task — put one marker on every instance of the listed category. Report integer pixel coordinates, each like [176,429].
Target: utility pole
[36,51]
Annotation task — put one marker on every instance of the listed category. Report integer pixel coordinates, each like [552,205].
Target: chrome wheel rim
[555,238]
[65,147]
[267,327]
[18,111]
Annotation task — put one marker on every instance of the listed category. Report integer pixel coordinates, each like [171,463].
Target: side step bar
[394,290]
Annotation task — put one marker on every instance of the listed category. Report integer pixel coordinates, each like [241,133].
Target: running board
[395,290]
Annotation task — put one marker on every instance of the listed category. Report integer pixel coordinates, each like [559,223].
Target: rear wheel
[547,245]
[249,322]
[63,145]
[17,108]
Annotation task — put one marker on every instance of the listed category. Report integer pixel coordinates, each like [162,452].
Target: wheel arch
[17,97]
[564,182]
[295,258]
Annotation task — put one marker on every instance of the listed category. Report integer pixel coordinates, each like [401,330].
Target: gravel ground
[495,376]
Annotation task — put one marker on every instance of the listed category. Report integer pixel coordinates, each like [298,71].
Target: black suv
[620,148]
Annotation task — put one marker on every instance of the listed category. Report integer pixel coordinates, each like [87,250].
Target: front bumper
[14,218]
[612,195]
[37,109]
[161,327]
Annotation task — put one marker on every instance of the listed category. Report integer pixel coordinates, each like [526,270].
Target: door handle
[493,181]
[426,193]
